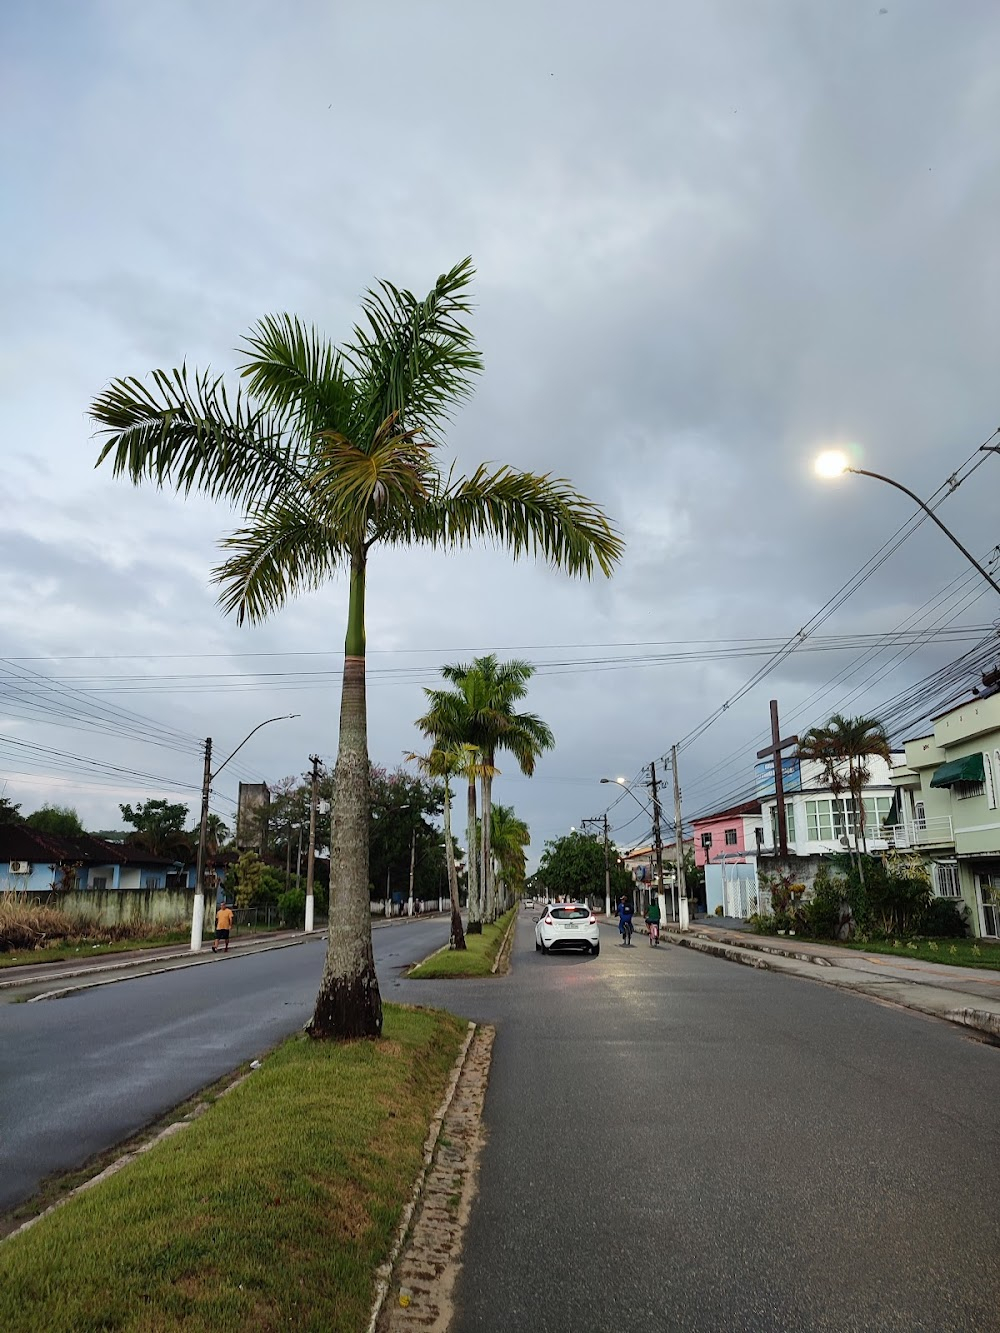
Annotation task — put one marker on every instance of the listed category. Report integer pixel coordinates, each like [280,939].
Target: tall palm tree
[510,836]
[328,455]
[854,740]
[480,711]
[442,763]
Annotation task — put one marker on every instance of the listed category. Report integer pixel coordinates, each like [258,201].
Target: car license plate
[570,925]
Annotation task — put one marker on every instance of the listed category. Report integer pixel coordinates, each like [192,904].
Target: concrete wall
[163,907]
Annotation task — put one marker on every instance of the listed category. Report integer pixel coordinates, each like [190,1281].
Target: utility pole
[311,864]
[775,749]
[679,841]
[607,869]
[657,838]
[198,915]
[413,864]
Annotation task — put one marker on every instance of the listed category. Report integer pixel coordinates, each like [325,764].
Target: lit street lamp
[198,912]
[834,463]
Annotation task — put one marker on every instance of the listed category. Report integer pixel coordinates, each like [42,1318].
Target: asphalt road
[676,1142]
[82,1073]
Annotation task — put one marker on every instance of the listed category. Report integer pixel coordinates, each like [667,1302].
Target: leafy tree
[159,828]
[402,808]
[330,456]
[9,813]
[574,866]
[59,819]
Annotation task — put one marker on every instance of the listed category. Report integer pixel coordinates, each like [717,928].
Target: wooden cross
[775,749]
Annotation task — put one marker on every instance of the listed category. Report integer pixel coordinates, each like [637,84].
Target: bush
[292,907]
[762,924]
[719,911]
[822,913]
[943,918]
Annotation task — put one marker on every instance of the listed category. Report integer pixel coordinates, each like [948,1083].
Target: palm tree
[442,763]
[480,711]
[510,836]
[329,454]
[856,740]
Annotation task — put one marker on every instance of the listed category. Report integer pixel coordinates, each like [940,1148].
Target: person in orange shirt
[223,925]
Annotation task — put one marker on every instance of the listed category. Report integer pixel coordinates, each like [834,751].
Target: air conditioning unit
[20,867]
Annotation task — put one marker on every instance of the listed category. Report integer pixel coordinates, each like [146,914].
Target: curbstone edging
[503,946]
[383,1274]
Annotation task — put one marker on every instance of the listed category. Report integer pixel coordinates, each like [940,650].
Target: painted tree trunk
[349,1003]
[457,933]
[486,856]
[475,903]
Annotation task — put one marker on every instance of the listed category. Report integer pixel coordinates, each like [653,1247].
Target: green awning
[969,769]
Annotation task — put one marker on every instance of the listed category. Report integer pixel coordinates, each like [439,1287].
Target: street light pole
[198,910]
[833,463]
[311,864]
[413,864]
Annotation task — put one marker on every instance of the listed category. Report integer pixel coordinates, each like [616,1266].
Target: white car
[567,926]
[529,902]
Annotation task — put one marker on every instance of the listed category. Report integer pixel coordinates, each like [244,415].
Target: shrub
[292,907]
[943,918]
[719,911]
[822,913]
[762,923]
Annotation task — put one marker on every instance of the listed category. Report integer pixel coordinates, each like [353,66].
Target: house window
[730,837]
[946,881]
[919,814]
[706,840]
[965,790]
[99,882]
[789,823]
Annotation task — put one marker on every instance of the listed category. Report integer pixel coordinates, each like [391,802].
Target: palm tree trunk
[457,934]
[475,906]
[486,859]
[349,1003]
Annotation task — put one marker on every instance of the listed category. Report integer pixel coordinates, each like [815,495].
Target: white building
[820,823]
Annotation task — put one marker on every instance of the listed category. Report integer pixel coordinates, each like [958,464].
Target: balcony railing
[935,831]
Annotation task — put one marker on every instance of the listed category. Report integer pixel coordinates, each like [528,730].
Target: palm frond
[291,369]
[189,433]
[527,513]
[415,359]
[368,488]
[282,551]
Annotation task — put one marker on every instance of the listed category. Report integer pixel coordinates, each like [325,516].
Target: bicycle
[626,930]
[654,933]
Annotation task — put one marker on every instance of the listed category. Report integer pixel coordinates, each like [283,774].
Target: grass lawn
[473,961]
[271,1211]
[57,953]
[959,953]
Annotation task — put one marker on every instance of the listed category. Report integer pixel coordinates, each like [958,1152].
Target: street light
[198,911]
[834,463]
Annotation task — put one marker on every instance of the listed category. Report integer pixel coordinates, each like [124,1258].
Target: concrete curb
[383,1275]
[503,946]
[198,961]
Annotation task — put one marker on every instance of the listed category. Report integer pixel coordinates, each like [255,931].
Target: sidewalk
[167,958]
[968,996]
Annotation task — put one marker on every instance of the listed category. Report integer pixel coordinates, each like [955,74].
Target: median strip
[275,1208]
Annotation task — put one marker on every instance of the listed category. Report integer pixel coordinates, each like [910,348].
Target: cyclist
[624,912]
[653,920]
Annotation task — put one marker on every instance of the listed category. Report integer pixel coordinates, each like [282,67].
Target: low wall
[161,907]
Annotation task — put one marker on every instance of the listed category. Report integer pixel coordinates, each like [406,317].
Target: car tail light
[593,920]
[548,921]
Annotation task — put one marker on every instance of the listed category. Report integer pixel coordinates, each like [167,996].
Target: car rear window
[569,913]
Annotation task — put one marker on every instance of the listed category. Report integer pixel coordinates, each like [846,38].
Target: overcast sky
[710,237]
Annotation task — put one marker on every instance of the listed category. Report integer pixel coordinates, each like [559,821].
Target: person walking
[653,919]
[223,925]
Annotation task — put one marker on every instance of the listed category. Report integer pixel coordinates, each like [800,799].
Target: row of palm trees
[468,725]
[328,453]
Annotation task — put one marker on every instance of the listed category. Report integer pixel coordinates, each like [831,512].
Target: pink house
[730,831]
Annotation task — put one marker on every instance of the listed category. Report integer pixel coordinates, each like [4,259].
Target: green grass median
[476,960]
[272,1210]
[958,953]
